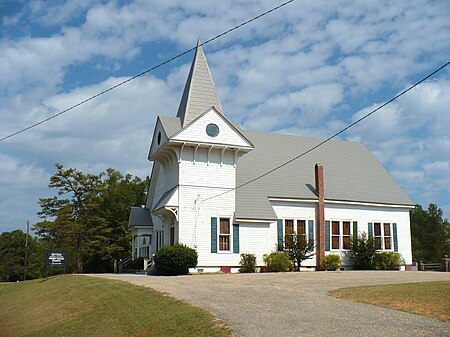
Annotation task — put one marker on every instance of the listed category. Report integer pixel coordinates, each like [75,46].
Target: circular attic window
[159,137]
[212,130]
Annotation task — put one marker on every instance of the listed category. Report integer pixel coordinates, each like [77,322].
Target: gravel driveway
[297,304]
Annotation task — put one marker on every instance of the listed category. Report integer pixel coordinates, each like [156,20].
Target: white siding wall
[301,211]
[195,222]
[362,214]
[196,132]
[212,174]
[166,178]
[198,181]
[257,239]
[366,214]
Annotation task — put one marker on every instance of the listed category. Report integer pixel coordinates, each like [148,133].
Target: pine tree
[430,234]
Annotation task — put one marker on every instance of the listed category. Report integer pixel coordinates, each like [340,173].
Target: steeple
[199,92]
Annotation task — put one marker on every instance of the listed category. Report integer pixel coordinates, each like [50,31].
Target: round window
[159,137]
[212,130]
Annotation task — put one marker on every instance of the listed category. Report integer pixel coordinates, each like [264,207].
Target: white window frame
[230,223]
[383,245]
[295,220]
[341,234]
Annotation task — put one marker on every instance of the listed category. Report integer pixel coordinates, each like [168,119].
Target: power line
[146,71]
[333,136]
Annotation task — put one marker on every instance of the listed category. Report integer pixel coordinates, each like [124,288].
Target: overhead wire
[332,136]
[273,9]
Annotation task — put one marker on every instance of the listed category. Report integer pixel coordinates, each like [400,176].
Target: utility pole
[26,251]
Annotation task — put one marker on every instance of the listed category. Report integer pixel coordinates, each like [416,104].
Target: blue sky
[308,69]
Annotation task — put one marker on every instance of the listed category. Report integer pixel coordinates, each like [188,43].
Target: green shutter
[280,234]
[236,238]
[394,230]
[355,229]
[327,236]
[311,230]
[370,229]
[213,235]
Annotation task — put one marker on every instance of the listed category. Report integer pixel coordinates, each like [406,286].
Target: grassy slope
[426,298]
[71,305]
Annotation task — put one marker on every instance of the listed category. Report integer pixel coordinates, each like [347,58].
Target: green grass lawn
[425,298]
[73,305]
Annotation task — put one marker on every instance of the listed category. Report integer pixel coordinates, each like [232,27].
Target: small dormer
[159,138]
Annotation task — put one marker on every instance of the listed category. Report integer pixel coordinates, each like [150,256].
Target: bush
[362,252]
[388,261]
[175,260]
[247,263]
[278,262]
[331,262]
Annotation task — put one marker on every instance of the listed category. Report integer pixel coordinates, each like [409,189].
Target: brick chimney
[320,216]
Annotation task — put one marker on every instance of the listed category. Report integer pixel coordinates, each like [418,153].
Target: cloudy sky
[307,69]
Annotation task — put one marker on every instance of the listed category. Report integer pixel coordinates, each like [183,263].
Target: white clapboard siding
[256,239]
[204,173]
[370,214]
[196,132]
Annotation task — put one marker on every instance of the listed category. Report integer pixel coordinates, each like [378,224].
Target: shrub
[136,264]
[247,263]
[278,262]
[362,252]
[388,261]
[331,262]
[175,260]
[298,249]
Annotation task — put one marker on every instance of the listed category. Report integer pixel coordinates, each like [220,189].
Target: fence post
[120,266]
[421,267]
[445,263]
[115,266]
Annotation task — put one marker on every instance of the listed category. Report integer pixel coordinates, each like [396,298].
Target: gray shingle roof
[351,173]
[171,125]
[139,216]
[164,198]
[199,92]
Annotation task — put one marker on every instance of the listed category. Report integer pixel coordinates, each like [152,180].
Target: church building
[203,192]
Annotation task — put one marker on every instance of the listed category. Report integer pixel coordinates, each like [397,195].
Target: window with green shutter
[394,230]
[311,230]
[236,239]
[280,235]
[370,229]
[214,235]
[327,236]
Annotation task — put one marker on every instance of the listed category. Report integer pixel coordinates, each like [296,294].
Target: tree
[118,193]
[298,249]
[362,252]
[12,252]
[75,221]
[89,216]
[430,234]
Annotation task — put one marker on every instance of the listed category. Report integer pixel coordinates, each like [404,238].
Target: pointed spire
[199,92]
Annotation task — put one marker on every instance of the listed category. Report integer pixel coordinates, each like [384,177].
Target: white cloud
[411,138]
[300,70]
